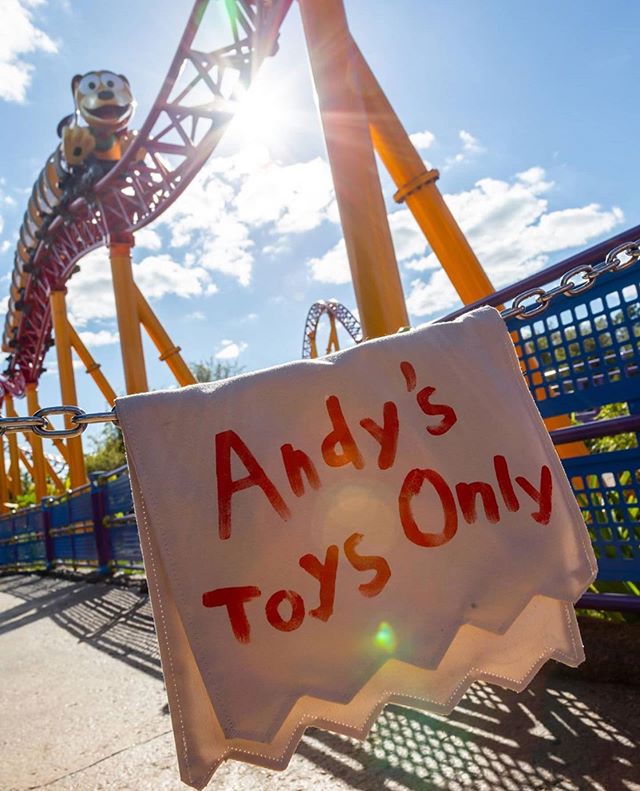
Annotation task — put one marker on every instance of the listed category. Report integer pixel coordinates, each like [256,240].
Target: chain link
[576,281]
[525,306]
[39,423]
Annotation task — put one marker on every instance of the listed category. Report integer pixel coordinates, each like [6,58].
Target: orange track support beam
[77,471]
[92,367]
[14,456]
[62,448]
[25,460]
[39,471]
[417,188]
[169,353]
[124,288]
[374,270]
[54,477]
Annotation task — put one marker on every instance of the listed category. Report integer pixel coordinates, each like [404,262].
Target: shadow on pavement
[563,732]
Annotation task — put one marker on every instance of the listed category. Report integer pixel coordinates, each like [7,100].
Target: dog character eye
[112,81]
[89,83]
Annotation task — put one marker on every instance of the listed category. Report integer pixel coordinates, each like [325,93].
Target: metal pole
[169,353]
[124,288]
[417,188]
[14,457]
[4,489]
[39,472]
[77,471]
[374,270]
[93,368]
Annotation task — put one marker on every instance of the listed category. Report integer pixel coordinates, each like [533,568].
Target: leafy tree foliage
[108,450]
[213,370]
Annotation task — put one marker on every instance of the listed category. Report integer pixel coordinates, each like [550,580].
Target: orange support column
[374,270]
[77,471]
[39,470]
[169,353]
[92,367]
[417,188]
[124,288]
[14,456]
[4,489]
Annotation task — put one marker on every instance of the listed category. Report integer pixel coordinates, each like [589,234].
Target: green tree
[108,450]
[213,370]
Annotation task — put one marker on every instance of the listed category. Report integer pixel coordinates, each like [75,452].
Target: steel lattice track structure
[185,123]
[331,308]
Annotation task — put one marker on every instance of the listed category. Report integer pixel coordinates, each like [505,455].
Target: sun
[264,113]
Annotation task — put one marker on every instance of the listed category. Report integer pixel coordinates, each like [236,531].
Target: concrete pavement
[83,707]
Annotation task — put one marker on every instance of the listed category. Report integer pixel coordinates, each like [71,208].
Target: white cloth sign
[388,523]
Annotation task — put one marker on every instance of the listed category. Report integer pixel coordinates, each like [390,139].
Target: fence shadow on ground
[111,618]
[561,733]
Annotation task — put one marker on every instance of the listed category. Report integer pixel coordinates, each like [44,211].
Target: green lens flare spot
[386,638]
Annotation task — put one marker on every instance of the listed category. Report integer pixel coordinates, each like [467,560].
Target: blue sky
[529,110]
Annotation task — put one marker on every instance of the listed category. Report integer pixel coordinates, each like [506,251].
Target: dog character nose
[105,95]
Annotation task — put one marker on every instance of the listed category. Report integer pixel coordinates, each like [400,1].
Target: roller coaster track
[336,312]
[182,129]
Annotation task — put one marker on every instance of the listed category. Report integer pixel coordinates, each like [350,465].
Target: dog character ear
[122,77]
[66,121]
[74,82]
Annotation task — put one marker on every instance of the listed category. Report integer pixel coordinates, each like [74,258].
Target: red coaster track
[185,124]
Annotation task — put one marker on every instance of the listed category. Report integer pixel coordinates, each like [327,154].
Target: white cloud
[470,144]
[470,147]
[434,296]
[333,266]
[51,365]
[230,350]
[422,140]
[99,338]
[295,198]
[196,315]
[91,293]
[512,232]
[158,275]
[19,36]
[408,241]
[149,239]
[233,195]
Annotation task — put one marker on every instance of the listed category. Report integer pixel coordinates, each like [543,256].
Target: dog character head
[104,100]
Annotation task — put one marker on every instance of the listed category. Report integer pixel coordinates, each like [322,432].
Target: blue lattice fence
[582,352]
[607,489]
[23,540]
[119,521]
[72,529]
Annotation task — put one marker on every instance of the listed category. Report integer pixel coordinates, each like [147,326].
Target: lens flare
[386,638]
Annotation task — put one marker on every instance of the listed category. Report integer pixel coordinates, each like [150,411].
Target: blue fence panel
[119,500]
[124,543]
[80,505]
[31,552]
[62,547]
[7,555]
[72,529]
[6,528]
[607,488]
[122,530]
[22,539]
[583,351]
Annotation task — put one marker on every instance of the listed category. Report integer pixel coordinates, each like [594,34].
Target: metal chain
[41,425]
[575,281]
